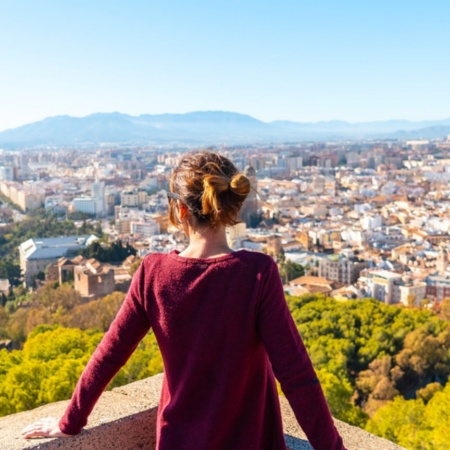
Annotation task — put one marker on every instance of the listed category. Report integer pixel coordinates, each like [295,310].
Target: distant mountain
[205,127]
[437,131]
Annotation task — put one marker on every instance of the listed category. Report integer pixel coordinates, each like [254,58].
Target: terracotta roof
[310,280]
[315,289]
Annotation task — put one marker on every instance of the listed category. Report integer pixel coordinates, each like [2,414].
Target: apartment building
[25,197]
[341,269]
[382,285]
[133,199]
[438,287]
[144,228]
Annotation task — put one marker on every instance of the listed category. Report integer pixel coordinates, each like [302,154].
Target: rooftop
[45,248]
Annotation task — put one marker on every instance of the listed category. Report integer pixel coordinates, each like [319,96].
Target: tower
[250,206]
[442,260]
[98,195]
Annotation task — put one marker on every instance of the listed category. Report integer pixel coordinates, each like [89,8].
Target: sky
[298,60]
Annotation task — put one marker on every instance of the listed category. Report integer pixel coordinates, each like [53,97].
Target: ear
[182,211]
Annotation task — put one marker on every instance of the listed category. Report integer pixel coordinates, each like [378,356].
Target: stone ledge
[125,419]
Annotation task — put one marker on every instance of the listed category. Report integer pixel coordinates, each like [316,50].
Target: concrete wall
[125,419]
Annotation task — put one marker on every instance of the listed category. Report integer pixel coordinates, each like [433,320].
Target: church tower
[442,260]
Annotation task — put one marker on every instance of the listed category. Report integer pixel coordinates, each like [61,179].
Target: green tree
[437,419]
[415,424]
[400,421]
[339,395]
[427,393]
[135,266]
[48,367]
[445,308]
[115,252]
[290,270]
[11,272]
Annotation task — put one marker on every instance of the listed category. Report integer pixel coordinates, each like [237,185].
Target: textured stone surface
[125,419]
[354,438]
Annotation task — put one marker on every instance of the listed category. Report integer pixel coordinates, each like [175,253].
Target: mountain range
[206,127]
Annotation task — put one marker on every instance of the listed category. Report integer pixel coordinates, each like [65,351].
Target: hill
[205,127]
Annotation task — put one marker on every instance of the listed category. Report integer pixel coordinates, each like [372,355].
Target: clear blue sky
[287,59]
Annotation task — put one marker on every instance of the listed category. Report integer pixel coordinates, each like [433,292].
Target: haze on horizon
[299,61]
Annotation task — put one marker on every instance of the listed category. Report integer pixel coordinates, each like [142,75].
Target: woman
[223,327]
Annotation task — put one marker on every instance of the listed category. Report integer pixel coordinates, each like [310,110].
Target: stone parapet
[125,419]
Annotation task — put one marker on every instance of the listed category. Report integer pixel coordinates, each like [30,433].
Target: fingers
[48,427]
[33,430]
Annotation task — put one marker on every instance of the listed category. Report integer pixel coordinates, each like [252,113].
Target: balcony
[125,419]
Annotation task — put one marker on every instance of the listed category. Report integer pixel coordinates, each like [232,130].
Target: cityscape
[363,219]
[346,221]
[335,112]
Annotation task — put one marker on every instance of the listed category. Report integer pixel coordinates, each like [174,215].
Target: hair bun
[240,184]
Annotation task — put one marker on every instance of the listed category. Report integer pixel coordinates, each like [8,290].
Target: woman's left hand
[48,427]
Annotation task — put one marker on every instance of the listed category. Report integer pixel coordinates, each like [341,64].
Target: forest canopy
[383,368]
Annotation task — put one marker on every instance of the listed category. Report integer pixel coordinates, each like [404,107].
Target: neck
[206,243]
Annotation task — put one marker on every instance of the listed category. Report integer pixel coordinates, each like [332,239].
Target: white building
[37,254]
[370,222]
[86,205]
[94,204]
[98,194]
[416,292]
[382,285]
[129,199]
[318,184]
[133,199]
[145,228]
[6,173]
[55,203]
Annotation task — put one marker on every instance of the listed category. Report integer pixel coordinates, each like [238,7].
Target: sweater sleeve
[126,331]
[292,366]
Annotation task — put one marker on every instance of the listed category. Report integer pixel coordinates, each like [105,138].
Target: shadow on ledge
[125,419]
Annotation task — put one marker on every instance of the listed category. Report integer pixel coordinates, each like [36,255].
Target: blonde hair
[211,187]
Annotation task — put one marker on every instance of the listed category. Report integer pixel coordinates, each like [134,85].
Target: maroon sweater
[223,327]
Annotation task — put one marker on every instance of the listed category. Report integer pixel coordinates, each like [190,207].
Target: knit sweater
[224,330]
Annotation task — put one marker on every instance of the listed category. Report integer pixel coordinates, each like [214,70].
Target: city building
[144,228]
[382,285]
[250,206]
[93,279]
[6,173]
[133,199]
[4,286]
[310,285]
[412,293]
[95,204]
[438,287]
[339,268]
[37,254]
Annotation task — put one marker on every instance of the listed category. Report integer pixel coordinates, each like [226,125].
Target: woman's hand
[48,427]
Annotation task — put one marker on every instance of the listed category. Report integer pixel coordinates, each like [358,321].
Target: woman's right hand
[48,427]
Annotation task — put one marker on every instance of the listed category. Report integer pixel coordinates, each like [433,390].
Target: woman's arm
[126,331]
[292,366]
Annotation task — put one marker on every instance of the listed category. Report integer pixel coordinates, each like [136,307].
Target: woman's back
[218,391]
